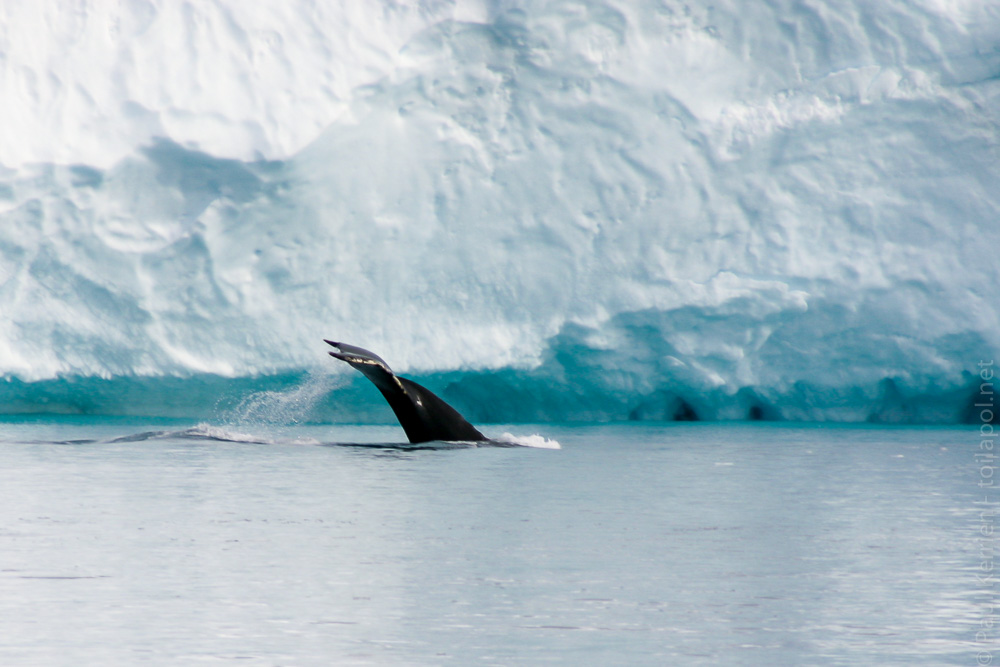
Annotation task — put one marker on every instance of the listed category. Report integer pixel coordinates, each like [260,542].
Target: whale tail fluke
[355,355]
[421,413]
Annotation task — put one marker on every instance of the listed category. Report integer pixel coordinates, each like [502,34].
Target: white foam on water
[256,436]
[534,440]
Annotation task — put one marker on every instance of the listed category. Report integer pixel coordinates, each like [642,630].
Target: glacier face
[545,210]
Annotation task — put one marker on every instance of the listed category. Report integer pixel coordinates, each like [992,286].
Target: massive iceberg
[544,210]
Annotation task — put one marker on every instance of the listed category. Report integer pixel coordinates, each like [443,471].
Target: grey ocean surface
[125,541]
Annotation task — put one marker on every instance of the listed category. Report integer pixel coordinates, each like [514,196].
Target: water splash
[534,440]
[221,434]
[284,407]
[261,416]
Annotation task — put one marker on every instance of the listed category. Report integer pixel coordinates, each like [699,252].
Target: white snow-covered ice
[600,209]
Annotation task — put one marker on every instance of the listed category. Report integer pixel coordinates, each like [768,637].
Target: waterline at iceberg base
[508,396]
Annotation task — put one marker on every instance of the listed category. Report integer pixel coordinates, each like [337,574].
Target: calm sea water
[155,543]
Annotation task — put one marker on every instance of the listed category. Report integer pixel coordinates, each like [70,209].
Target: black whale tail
[423,415]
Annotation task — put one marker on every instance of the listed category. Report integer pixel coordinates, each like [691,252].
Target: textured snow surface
[544,210]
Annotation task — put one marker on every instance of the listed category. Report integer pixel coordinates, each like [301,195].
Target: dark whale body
[423,415]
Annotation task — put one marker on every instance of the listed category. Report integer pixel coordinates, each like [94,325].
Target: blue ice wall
[544,210]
